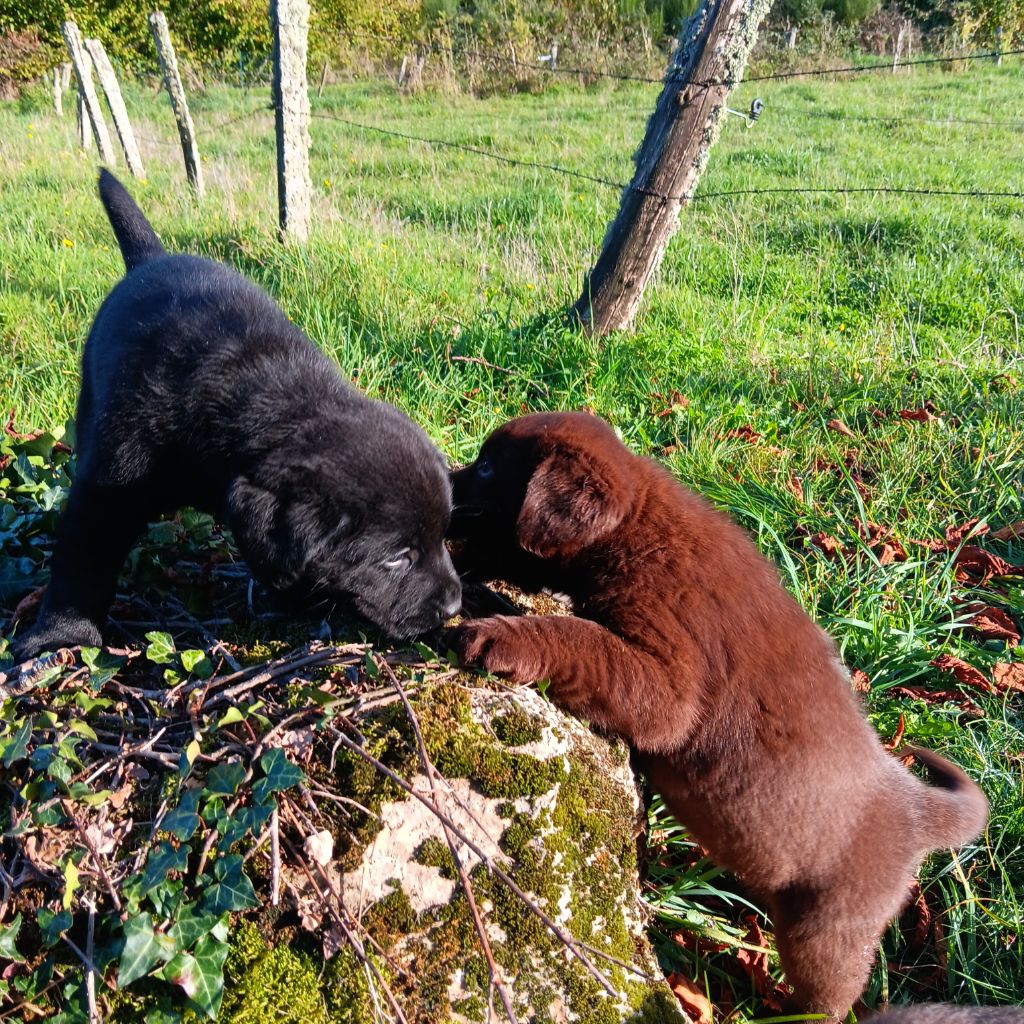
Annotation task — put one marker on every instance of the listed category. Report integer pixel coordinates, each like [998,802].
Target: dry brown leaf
[976,565]
[965,704]
[1012,531]
[861,682]
[795,486]
[691,998]
[922,415]
[897,736]
[319,847]
[1009,676]
[673,402]
[994,624]
[744,433]
[28,605]
[832,547]
[956,534]
[916,920]
[840,428]
[964,673]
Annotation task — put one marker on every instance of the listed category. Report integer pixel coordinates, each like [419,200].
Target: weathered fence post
[290,25]
[172,81]
[898,48]
[709,59]
[65,75]
[791,37]
[58,106]
[323,79]
[82,122]
[999,45]
[123,127]
[90,103]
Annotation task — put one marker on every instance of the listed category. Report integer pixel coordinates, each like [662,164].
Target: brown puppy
[685,644]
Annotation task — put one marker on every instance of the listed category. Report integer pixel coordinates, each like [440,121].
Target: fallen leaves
[1012,531]
[962,672]
[839,427]
[691,998]
[860,681]
[1009,676]
[755,964]
[880,539]
[991,623]
[926,414]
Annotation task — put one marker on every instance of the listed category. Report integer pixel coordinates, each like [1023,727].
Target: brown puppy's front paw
[492,644]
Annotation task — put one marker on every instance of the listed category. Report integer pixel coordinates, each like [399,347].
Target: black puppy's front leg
[97,530]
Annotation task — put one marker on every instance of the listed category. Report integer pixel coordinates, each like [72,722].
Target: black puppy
[198,391]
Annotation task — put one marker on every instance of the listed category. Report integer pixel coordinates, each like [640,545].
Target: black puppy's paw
[54,633]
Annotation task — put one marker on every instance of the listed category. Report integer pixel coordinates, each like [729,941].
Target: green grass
[779,312]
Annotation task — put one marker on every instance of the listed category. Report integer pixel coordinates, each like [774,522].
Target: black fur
[197,390]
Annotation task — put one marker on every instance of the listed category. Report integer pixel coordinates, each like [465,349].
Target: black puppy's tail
[956,808]
[136,238]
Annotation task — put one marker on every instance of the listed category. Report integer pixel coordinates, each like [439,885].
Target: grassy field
[437,278]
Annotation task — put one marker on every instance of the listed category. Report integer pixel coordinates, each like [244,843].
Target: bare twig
[90,975]
[70,812]
[495,979]
[560,933]
[275,859]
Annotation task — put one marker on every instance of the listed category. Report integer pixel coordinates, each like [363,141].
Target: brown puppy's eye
[401,561]
[484,469]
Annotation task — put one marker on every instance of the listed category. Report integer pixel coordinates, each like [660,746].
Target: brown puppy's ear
[571,502]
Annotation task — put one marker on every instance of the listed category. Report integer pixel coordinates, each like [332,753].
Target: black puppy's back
[134,234]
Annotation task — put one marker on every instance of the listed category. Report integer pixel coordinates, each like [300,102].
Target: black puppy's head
[355,513]
[544,486]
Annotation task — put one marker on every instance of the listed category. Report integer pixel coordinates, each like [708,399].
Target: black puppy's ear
[274,550]
[571,502]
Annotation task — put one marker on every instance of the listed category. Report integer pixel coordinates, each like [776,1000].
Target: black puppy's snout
[450,605]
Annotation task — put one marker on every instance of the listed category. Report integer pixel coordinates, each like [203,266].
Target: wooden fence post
[898,48]
[709,59]
[58,90]
[87,94]
[172,81]
[999,45]
[82,122]
[290,96]
[123,127]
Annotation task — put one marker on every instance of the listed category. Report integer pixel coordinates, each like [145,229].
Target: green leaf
[160,648]
[245,821]
[279,774]
[232,889]
[200,976]
[224,779]
[84,794]
[51,925]
[370,666]
[102,665]
[230,717]
[83,729]
[142,949]
[182,821]
[162,860]
[188,757]
[191,925]
[15,747]
[197,663]
[8,950]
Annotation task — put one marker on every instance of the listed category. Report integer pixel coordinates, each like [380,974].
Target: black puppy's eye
[402,560]
[484,469]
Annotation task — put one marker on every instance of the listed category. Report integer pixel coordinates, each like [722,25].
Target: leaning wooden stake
[290,24]
[172,81]
[90,103]
[710,56]
[123,127]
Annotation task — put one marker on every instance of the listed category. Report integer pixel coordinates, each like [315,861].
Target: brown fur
[685,644]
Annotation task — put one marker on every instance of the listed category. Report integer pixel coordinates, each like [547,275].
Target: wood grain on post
[290,25]
[123,127]
[89,103]
[176,92]
[58,91]
[710,56]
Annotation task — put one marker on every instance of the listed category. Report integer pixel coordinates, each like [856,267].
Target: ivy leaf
[279,774]
[197,663]
[160,647]
[51,925]
[232,889]
[182,821]
[162,860]
[15,747]
[142,949]
[230,717]
[200,976]
[188,757]
[192,924]
[8,950]
[245,821]
[102,665]
[224,779]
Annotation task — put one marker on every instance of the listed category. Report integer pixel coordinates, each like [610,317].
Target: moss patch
[516,728]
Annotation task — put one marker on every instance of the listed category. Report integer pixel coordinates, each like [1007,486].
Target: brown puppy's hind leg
[826,955]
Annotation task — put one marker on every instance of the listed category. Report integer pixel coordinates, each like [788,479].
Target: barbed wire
[698,197]
[546,68]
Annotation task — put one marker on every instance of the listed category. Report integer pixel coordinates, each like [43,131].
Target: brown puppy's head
[551,484]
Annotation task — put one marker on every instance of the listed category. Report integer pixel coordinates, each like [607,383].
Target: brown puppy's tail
[133,232]
[955,807]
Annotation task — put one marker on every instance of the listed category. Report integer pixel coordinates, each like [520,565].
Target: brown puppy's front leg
[593,672]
